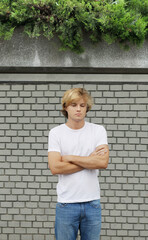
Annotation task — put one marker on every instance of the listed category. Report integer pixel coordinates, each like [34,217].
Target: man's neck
[75,125]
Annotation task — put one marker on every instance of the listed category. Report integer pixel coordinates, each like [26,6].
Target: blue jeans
[70,217]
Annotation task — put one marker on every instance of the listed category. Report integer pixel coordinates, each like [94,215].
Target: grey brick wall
[27,188]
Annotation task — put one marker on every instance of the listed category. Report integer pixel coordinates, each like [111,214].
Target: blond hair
[75,94]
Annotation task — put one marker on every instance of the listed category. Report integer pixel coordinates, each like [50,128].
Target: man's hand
[101,150]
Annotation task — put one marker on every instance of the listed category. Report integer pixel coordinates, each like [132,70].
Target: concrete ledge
[21,51]
[75,78]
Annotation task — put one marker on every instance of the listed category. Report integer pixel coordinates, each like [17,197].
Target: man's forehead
[79,100]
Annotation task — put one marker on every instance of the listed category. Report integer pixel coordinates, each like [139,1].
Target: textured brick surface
[28,190]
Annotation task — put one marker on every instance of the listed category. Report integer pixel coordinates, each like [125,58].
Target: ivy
[122,21]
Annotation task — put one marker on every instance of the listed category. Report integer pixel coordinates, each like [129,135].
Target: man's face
[77,110]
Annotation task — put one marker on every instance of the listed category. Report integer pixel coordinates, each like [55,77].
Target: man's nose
[78,108]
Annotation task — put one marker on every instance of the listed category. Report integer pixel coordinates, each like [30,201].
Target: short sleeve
[53,142]
[101,137]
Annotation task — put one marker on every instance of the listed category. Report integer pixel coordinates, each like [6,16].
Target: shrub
[122,21]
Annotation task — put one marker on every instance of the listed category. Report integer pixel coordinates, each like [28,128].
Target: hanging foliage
[122,21]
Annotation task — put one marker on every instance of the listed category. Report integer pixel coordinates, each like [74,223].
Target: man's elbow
[105,164]
[54,171]
[54,159]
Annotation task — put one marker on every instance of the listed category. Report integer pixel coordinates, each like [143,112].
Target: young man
[76,150]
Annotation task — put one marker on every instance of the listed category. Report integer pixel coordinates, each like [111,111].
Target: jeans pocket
[61,205]
[95,203]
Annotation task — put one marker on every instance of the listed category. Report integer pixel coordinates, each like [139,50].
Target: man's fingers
[101,151]
[100,147]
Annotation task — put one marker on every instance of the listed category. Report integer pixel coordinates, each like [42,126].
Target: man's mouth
[78,114]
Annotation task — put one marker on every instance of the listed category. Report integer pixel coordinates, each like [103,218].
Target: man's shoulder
[58,128]
[94,126]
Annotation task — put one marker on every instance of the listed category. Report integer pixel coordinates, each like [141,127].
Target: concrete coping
[72,78]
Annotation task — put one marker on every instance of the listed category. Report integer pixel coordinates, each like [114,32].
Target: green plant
[123,21]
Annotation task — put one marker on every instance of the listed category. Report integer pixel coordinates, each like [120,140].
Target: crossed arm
[70,163]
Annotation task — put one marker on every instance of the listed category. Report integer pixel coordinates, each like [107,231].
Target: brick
[11,145]
[128,114]
[33,185]
[138,107]
[16,126]
[17,100]
[5,139]
[122,233]
[8,230]
[12,159]
[2,107]
[27,237]
[17,114]
[29,152]
[130,87]
[103,87]
[17,191]
[2,94]
[42,100]
[140,121]
[111,232]
[29,100]
[121,107]
[4,87]
[28,178]
[107,107]
[126,101]
[123,121]
[21,184]
[30,218]
[34,198]
[137,94]
[12,94]
[115,87]
[142,87]
[24,145]
[5,152]
[122,94]
[10,172]
[53,87]
[25,94]
[5,113]
[142,100]
[29,87]
[15,178]
[14,237]
[35,172]
[108,94]
[24,107]
[17,152]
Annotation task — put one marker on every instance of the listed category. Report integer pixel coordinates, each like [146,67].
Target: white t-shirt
[81,186]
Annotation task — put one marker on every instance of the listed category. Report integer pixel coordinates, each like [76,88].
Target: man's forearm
[88,162]
[66,168]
